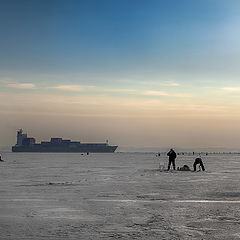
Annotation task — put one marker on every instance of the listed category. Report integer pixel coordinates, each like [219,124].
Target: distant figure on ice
[198,161]
[172,156]
[1,160]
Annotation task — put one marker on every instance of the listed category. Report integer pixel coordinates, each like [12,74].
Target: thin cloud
[161,93]
[22,85]
[231,89]
[93,88]
[171,84]
[167,84]
[74,88]
[120,90]
[156,93]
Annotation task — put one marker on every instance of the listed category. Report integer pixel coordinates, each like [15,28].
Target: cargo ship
[28,144]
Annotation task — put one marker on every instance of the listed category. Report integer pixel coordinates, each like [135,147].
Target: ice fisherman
[1,160]
[172,156]
[200,162]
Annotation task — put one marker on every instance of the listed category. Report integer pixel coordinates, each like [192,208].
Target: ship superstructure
[28,144]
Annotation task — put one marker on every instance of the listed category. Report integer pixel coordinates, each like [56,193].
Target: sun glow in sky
[141,73]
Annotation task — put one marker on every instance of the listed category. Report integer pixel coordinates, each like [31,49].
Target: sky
[140,73]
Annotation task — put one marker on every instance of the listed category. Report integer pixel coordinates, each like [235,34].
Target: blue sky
[178,54]
[109,37]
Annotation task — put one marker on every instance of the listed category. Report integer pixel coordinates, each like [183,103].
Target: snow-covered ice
[117,196]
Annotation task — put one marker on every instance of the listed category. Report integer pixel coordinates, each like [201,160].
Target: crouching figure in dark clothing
[198,161]
[172,156]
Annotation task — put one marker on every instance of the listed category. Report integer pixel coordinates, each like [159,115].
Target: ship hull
[82,149]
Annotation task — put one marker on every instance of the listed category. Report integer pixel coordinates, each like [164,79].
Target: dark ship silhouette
[28,144]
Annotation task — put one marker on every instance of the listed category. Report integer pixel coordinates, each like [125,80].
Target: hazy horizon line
[163,149]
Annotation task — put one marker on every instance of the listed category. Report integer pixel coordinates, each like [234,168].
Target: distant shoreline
[153,150]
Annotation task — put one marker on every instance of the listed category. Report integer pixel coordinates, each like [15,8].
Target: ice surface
[117,196]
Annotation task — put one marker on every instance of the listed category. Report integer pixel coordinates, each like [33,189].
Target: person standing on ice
[172,156]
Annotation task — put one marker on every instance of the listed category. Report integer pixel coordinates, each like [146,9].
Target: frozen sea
[117,196]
